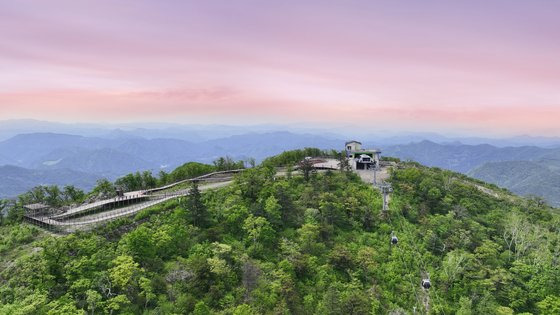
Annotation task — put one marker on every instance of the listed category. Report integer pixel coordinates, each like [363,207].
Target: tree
[251,162]
[251,181]
[258,230]
[105,188]
[129,182]
[148,180]
[244,309]
[73,194]
[137,181]
[147,292]
[3,213]
[550,305]
[331,303]
[53,196]
[306,167]
[92,299]
[465,306]
[63,306]
[250,276]
[15,214]
[452,267]
[295,156]
[190,170]
[140,244]
[163,178]
[117,303]
[201,309]
[518,234]
[37,194]
[123,272]
[273,210]
[227,163]
[195,206]
[344,163]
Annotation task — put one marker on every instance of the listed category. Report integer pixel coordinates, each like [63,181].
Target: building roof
[36,206]
[352,141]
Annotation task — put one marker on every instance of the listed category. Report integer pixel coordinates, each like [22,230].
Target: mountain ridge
[17,180]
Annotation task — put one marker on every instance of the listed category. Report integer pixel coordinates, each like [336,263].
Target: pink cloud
[434,64]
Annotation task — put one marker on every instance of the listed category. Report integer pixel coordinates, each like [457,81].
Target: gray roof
[352,141]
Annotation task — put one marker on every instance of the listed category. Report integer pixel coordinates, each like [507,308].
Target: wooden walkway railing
[98,212]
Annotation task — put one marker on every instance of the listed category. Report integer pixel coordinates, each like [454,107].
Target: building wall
[354,150]
[354,146]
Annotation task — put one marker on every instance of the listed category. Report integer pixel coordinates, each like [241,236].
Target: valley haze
[43,153]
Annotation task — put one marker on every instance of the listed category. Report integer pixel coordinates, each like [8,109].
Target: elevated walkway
[132,202]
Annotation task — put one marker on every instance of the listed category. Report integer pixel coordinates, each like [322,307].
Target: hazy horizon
[334,127]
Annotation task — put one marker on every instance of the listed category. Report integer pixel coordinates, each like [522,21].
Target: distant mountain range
[16,180]
[96,151]
[526,170]
[45,154]
[523,178]
[463,158]
[200,133]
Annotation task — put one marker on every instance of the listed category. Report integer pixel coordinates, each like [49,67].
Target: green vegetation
[137,181]
[268,245]
[539,178]
[189,170]
[295,156]
[145,180]
[53,196]
[227,164]
[195,169]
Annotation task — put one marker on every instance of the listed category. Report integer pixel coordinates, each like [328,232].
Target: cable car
[364,158]
[426,284]
[394,240]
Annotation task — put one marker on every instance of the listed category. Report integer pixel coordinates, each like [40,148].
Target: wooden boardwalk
[98,204]
[99,212]
[94,213]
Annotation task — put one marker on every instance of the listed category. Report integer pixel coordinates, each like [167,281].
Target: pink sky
[427,65]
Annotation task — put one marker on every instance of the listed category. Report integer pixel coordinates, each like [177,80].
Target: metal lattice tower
[386,189]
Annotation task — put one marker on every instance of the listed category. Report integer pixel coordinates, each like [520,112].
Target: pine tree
[306,167]
[197,209]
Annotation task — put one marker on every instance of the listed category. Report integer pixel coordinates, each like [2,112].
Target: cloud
[435,64]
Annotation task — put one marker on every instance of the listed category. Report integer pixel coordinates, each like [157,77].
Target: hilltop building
[359,158]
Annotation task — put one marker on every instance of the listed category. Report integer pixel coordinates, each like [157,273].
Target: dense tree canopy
[293,157]
[270,245]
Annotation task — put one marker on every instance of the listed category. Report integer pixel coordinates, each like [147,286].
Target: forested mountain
[463,158]
[17,180]
[280,245]
[525,178]
[525,170]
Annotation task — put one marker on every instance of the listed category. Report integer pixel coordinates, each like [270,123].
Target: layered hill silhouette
[525,170]
[118,153]
[113,157]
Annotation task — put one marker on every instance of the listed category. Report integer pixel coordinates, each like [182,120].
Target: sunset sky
[475,66]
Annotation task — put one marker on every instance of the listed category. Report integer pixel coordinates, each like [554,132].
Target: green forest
[317,244]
